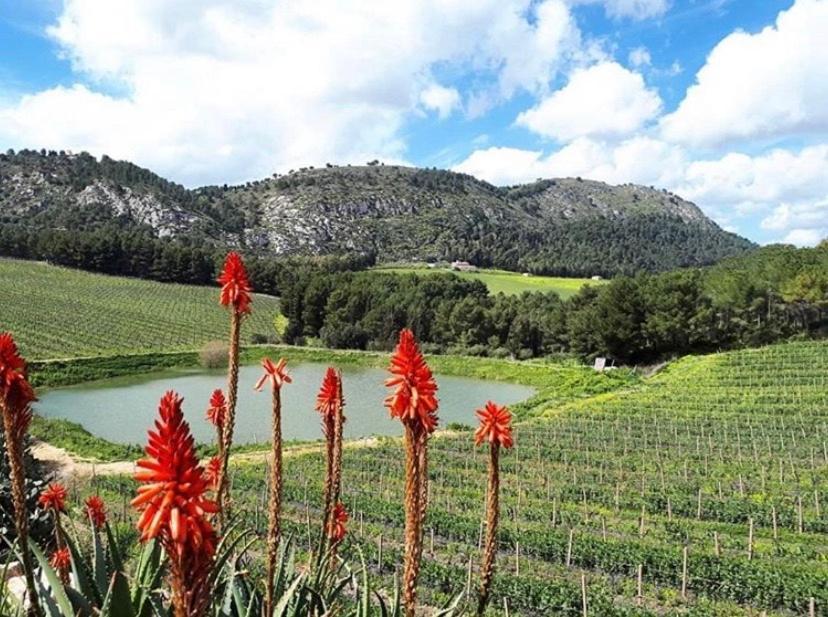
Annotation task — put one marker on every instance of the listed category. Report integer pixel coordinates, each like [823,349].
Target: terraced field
[703,492]
[60,313]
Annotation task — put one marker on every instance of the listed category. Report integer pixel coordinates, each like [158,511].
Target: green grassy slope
[60,313]
[710,445]
[501,281]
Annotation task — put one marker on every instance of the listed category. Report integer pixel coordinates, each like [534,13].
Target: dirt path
[64,466]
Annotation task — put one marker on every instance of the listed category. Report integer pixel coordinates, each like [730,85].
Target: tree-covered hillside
[564,227]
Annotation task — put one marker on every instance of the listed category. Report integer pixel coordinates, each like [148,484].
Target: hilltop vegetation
[768,295]
[564,227]
[61,313]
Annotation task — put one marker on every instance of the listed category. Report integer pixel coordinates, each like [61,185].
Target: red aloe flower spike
[16,396]
[61,560]
[329,400]
[235,285]
[174,507]
[413,400]
[96,510]
[172,496]
[337,529]
[495,425]
[53,498]
[217,411]
[212,471]
[275,372]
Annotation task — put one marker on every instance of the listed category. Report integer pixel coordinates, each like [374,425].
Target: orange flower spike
[96,510]
[414,397]
[61,559]
[15,389]
[212,471]
[53,497]
[235,285]
[276,372]
[495,425]
[172,498]
[337,529]
[217,411]
[329,400]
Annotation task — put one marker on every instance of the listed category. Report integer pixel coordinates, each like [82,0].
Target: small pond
[121,410]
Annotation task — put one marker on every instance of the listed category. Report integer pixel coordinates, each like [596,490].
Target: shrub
[213,355]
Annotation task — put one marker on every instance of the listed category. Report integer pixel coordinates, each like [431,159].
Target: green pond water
[122,410]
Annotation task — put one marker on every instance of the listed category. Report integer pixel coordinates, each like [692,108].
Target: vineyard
[72,313]
[701,492]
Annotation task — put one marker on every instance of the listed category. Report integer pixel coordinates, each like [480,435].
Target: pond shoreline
[553,383]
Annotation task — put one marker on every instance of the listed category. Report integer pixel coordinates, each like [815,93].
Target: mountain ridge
[560,226]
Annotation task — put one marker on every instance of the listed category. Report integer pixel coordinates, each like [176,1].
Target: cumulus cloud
[634,9]
[603,100]
[639,159]
[768,84]
[805,237]
[440,99]
[211,91]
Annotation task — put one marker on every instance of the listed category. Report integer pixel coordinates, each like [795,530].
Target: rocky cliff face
[394,212]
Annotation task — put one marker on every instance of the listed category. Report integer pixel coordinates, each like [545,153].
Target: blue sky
[723,101]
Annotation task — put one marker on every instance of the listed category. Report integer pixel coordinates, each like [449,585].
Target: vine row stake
[773,521]
[750,539]
[379,553]
[684,573]
[583,594]
[469,576]
[716,548]
[569,547]
[639,586]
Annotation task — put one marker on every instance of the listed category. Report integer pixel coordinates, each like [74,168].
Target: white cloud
[640,159]
[212,91]
[440,99]
[805,237]
[768,84]
[604,100]
[635,9]
[639,57]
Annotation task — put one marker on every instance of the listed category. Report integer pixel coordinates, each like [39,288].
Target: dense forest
[775,293]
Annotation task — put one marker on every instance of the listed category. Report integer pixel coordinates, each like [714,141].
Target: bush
[40,524]
[500,352]
[213,355]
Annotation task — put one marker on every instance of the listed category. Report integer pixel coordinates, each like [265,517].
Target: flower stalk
[278,376]
[235,294]
[496,429]
[16,396]
[413,401]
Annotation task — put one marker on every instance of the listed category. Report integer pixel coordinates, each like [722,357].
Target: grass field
[61,313]
[500,281]
[709,480]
